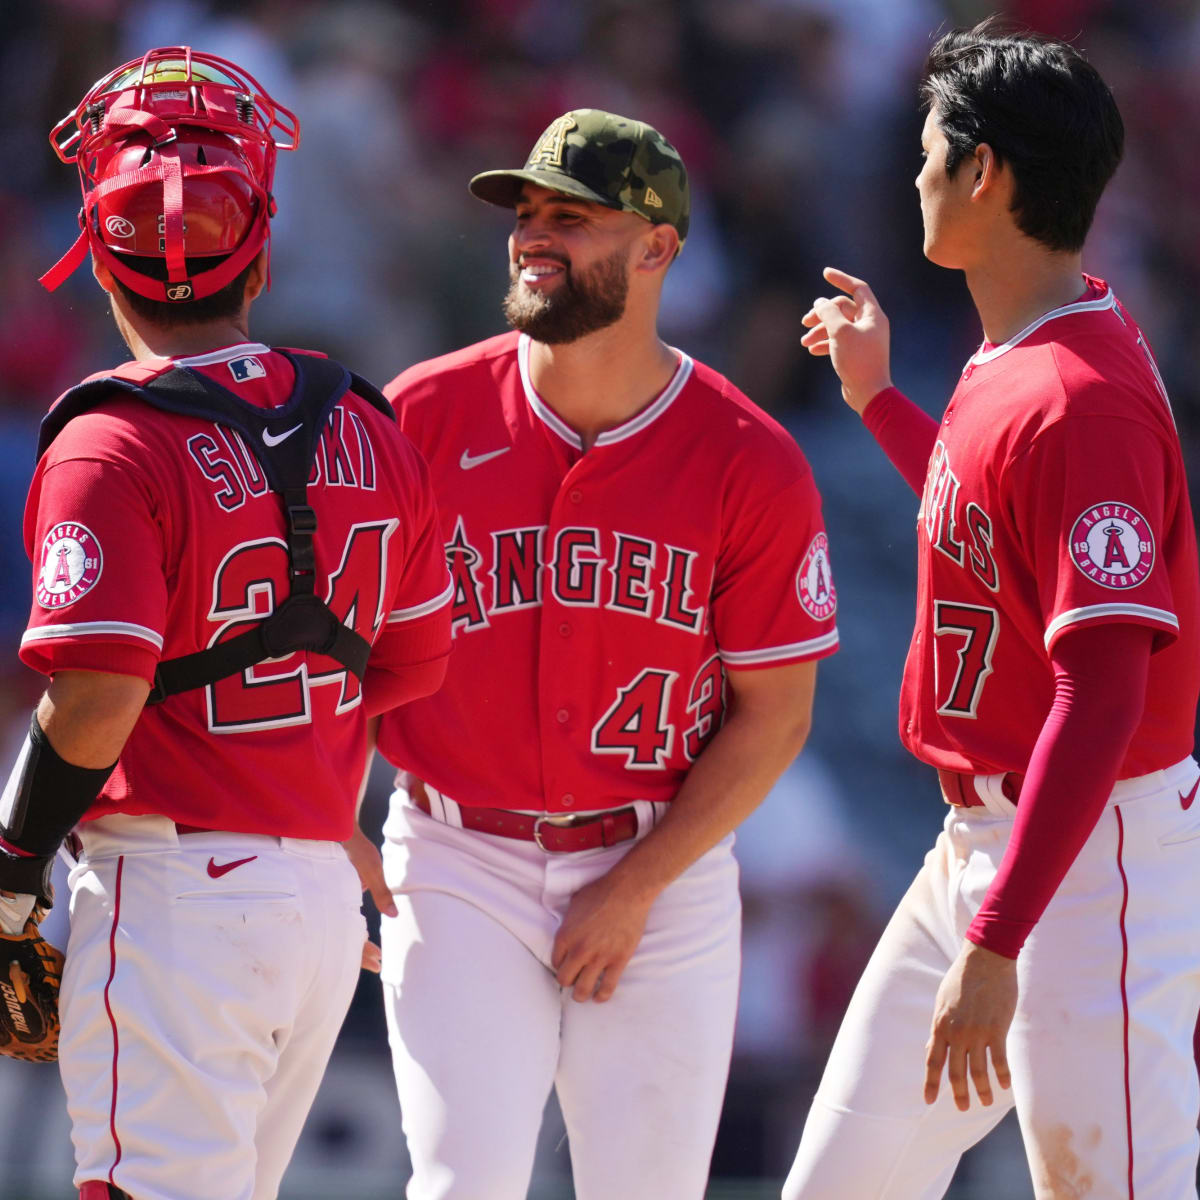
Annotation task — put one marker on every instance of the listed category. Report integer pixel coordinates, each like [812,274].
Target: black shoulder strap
[284,440]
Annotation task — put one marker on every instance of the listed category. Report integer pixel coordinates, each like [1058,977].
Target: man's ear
[104,277]
[986,168]
[256,280]
[659,248]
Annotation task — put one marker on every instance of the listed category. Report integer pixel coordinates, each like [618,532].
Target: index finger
[847,282]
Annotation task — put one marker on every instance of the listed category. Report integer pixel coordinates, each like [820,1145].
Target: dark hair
[1044,111]
[220,306]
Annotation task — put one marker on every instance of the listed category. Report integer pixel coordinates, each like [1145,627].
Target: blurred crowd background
[798,122]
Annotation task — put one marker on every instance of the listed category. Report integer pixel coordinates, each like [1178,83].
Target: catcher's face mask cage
[176,158]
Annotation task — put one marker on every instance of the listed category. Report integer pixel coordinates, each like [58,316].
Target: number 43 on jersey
[638,723]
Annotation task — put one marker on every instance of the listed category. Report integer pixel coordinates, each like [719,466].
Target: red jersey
[599,597]
[1055,496]
[154,534]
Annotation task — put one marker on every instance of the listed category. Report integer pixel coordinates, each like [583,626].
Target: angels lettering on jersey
[584,567]
[962,532]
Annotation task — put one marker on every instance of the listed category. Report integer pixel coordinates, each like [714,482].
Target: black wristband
[46,795]
[30,876]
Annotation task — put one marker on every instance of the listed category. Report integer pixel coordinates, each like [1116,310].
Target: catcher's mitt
[30,972]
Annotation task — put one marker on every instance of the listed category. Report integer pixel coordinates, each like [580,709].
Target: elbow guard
[43,800]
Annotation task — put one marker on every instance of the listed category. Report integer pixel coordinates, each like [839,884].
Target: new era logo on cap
[246,368]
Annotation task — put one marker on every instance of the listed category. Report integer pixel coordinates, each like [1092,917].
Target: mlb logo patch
[243,369]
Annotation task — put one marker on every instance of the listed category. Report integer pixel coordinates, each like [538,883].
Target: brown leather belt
[556,833]
[959,790]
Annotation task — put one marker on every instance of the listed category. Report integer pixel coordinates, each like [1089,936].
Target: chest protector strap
[285,442]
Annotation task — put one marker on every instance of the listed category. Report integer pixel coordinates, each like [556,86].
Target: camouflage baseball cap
[598,156]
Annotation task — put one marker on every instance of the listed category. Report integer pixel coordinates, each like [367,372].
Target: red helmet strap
[69,263]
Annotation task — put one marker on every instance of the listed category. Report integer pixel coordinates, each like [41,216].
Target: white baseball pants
[1104,1080]
[480,1030]
[199,1012]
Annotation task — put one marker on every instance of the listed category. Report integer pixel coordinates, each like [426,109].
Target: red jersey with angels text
[600,597]
[154,534]
[1055,496]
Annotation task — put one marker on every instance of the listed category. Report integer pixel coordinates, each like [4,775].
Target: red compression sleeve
[1100,674]
[905,432]
[385,688]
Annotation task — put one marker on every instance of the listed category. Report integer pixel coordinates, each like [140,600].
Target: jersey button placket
[560,721]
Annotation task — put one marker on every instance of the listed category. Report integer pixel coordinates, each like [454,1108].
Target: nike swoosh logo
[217,871]
[273,439]
[1185,802]
[470,460]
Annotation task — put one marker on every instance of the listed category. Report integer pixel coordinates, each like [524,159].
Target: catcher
[236,562]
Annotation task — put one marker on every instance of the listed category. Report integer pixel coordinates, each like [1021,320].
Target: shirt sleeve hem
[1123,613]
[1000,937]
[774,656]
[114,658]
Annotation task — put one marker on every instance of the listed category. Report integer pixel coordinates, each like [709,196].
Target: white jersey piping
[634,425]
[241,350]
[1108,300]
[1094,612]
[421,610]
[741,658]
[93,629]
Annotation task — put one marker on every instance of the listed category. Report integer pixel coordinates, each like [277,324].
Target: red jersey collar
[639,421]
[1096,298]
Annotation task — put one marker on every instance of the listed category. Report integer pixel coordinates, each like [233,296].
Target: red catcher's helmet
[176,158]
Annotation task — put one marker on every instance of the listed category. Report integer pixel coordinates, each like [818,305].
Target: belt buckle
[559,821]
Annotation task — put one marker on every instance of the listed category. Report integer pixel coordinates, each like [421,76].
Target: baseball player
[237,560]
[641,592]
[1051,942]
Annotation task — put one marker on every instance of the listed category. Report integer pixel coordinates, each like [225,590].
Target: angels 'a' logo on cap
[1113,545]
[550,145]
[70,566]
[814,581]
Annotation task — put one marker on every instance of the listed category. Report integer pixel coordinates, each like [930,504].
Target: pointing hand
[853,331]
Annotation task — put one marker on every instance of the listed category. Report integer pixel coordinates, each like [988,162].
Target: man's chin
[543,328]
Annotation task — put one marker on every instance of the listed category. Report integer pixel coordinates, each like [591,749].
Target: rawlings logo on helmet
[185,145]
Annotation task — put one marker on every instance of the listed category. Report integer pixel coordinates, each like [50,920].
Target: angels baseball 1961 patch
[71,564]
[1112,545]
[814,581]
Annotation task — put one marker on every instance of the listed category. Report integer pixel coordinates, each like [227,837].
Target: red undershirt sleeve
[384,689]
[408,661]
[905,433]
[1100,674]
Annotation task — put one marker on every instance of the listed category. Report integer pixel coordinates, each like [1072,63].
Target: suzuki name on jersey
[583,566]
[946,522]
[345,458]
